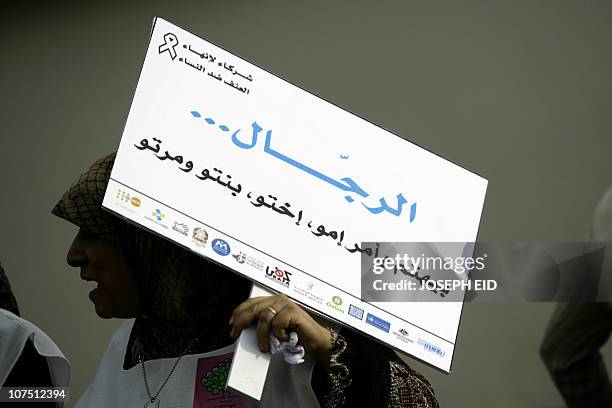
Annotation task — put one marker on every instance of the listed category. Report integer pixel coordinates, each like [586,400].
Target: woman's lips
[86,278]
[94,292]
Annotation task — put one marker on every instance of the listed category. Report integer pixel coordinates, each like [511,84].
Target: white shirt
[286,385]
[14,333]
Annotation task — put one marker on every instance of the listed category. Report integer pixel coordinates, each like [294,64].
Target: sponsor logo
[123,195]
[336,304]
[279,276]
[432,348]
[240,257]
[244,258]
[378,323]
[221,247]
[158,215]
[157,218]
[355,312]
[402,335]
[199,236]
[181,228]
[307,293]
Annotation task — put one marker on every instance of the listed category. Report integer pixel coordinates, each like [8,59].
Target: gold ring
[271,309]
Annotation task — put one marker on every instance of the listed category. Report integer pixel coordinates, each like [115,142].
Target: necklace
[153,400]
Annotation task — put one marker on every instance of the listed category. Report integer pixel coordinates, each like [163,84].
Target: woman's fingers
[279,315]
[263,327]
[249,311]
[247,304]
[284,320]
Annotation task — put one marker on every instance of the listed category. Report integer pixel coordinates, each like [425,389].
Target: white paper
[249,366]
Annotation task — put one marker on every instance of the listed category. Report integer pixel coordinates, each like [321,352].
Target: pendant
[154,403]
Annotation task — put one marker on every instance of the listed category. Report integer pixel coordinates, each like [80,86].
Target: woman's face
[116,294]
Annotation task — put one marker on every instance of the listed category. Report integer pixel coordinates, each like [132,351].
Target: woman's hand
[280,315]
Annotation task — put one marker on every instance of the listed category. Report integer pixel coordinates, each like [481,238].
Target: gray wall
[517,91]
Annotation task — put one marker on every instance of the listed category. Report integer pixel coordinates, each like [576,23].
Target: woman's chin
[103,313]
[102,309]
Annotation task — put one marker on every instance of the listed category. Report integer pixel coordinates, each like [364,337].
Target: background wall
[517,91]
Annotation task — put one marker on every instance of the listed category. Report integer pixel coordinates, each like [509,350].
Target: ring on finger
[272,310]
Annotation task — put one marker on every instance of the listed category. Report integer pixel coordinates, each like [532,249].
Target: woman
[182,305]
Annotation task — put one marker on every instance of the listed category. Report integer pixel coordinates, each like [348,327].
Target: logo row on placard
[197,238]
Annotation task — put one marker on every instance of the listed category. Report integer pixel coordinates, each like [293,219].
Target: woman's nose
[76,255]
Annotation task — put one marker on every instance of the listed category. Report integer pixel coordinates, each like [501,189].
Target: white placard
[241,166]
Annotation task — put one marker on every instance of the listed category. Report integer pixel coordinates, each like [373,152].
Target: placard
[241,166]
